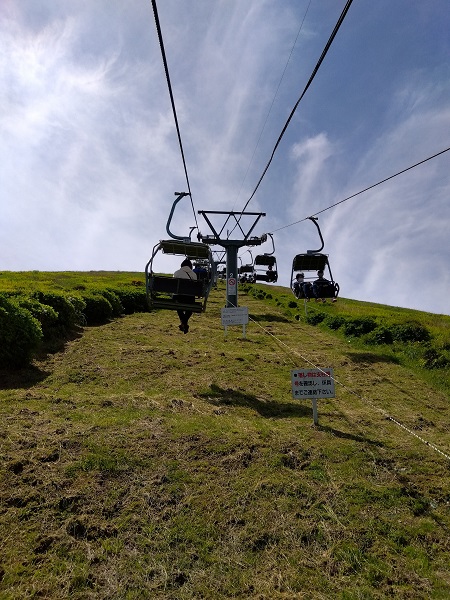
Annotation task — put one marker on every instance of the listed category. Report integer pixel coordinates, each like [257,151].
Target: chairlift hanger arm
[169,220]
[314,220]
[250,252]
[273,245]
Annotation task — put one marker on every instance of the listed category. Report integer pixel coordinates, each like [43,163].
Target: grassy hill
[144,463]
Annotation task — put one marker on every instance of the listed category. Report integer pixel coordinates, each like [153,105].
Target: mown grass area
[417,340]
[144,463]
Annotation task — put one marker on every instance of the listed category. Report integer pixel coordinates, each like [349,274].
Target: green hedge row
[374,333]
[20,334]
[31,322]
[371,331]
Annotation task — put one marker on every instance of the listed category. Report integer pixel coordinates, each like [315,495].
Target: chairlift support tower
[232,245]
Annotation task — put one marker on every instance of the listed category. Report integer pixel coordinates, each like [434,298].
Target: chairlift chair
[220,270]
[246,269]
[314,261]
[265,265]
[162,290]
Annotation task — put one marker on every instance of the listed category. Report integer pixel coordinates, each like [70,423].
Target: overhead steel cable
[314,73]
[273,101]
[370,187]
[169,85]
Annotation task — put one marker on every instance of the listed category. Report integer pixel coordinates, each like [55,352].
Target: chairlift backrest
[265,268]
[310,262]
[265,260]
[192,250]
[245,269]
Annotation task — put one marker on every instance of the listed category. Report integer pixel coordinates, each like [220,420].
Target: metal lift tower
[232,245]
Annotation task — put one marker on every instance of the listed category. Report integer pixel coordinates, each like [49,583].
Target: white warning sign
[312,383]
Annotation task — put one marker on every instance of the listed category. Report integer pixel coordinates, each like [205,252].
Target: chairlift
[246,270]
[265,265]
[314,261]
[219,257]
[164,291]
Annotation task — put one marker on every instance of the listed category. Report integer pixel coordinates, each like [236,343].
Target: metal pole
[232,275]
[315,415]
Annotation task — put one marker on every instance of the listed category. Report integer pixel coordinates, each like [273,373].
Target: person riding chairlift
[271,274]
[185,272]
[319,286]
[302,289]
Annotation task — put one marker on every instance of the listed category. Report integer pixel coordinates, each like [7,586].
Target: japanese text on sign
[235,315]
[312,383]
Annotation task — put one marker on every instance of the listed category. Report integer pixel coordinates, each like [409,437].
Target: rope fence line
[385,414]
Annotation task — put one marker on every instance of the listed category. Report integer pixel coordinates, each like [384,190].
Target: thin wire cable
[386,415]
[314,73]
[365,189]
[324,52]
[273,102]
[169,85]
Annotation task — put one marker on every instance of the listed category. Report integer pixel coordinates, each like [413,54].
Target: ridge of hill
[144,463]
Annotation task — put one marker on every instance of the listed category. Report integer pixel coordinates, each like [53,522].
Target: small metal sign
[312,383]
[235,316]
[231,285]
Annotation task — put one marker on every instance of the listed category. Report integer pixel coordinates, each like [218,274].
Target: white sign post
[235,316]
[312,384]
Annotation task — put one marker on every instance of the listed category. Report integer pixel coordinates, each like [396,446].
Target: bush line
[39,321]
[370,330]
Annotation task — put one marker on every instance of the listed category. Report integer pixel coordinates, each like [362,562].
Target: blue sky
[89,157]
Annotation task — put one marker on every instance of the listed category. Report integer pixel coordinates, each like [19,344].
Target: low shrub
[410,331]
[132,299]
[334,321]
[380,335]
[445,345]
[20,334]
[113,299]
[292,304]
[360,326]
[314,318]
[64,306]
[98,309]
[432,359]
[44,313]
[79,305]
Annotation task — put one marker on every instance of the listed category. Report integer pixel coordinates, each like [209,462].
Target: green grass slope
[144,463]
